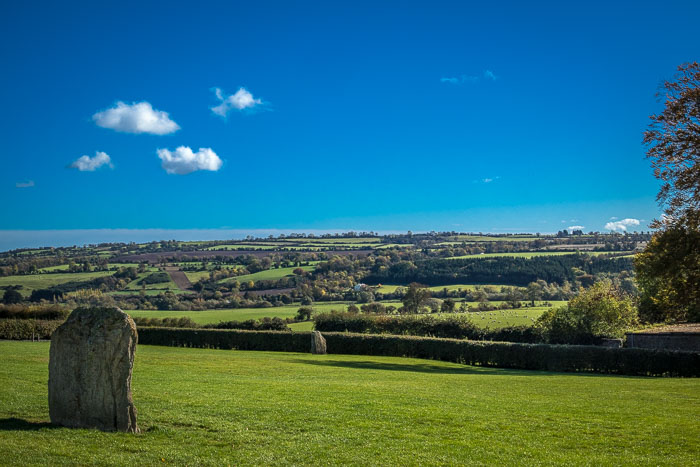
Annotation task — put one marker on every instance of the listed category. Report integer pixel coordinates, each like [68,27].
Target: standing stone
[318,343]
[90,363]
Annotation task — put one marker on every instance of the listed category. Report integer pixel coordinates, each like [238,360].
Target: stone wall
[668,340]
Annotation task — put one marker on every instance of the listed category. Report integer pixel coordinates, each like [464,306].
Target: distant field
[269,274]
[227,407]
[43,281]
[389,288]
[237,314]
[484,238]
[531,254]
[491,319]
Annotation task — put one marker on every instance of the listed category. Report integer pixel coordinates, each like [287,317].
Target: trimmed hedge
[451,327]
[27,329]
[570,358]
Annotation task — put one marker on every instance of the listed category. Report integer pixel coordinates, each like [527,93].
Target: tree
[600,311]
[673,138]
[668,271]
[11,296]
[415,297]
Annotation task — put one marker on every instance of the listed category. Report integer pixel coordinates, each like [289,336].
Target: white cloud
[487,180]
[614,218]
[90,164]
[136,118]
[27,184]
[576,227]
[183,161]
[241,100]
[488,74]
[621,226]
[460,80]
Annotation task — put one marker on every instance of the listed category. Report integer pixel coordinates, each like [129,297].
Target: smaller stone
[318,344]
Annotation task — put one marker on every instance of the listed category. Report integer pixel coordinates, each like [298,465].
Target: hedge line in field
[576,358]
[450,327]
[27,329]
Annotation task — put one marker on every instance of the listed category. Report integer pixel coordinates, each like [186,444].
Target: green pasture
[134,285]
[391,288]
[486,238]
[237,314]
[223,407]
[531,254]
[269,274]
[42,281]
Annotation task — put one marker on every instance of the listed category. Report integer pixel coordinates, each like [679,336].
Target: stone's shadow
[17,424]
[419,368]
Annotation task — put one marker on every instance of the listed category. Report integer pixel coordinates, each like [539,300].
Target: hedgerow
[569,358]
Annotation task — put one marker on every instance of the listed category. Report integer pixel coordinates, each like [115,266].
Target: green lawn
[42,281]
[219,407]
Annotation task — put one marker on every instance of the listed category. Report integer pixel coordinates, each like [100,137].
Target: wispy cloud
[138,117]
[27,184]
[621,226]
[241,100]
[183,160]
[576,227]
[486,180]
[488,75]
[90,164]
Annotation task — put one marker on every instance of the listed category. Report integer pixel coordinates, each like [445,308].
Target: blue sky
[506,116]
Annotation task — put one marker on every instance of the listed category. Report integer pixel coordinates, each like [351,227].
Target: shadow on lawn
[419,368]
[17,424]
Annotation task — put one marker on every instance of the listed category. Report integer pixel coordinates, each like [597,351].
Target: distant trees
[11,296]
[668,271]
[416,296]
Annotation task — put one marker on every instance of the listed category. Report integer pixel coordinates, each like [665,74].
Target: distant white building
[359,287]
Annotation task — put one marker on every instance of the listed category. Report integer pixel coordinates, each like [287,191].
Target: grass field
[269,274]
[42,281]
[219,407]
[492,319]
[391,288]
[531,254]
[236,314]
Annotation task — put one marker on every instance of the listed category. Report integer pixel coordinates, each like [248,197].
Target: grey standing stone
[318,343]
[90,364]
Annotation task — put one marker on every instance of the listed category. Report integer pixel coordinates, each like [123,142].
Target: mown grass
[219,407]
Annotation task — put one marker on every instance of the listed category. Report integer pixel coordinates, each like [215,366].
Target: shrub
[155,278]
[598,312]
[184,322]
[263,324]
[456,327]
[27,329]
[37,312]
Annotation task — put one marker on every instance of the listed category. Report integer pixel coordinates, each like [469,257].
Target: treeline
[499,270]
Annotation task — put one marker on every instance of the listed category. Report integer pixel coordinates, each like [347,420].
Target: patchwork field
[219,407]
[532,254]
[491,319]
